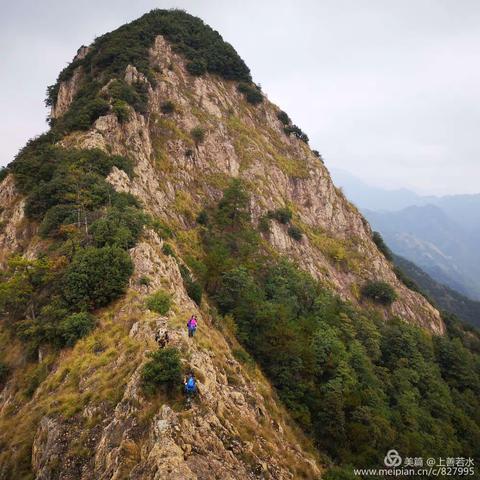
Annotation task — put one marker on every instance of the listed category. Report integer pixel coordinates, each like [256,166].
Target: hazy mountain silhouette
[444,297]
[439,234]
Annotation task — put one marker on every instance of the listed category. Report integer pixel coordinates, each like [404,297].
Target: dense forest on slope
[90,227]
[356,383]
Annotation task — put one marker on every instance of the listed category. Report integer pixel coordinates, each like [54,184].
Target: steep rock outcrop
[228,433]
[249,142]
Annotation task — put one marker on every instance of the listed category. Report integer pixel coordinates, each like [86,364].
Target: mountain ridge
[152,199]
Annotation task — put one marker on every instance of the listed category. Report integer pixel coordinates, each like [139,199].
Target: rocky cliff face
[88,418]
[248,142]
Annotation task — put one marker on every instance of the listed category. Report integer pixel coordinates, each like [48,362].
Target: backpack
[191,383]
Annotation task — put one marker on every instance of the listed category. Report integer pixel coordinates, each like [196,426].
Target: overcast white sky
[388,90]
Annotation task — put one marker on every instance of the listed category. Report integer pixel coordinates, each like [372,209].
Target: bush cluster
[289,128]
[3,173]
[198,134]
[167,107]
[159,302]
[135,94]
[295,233]
[252,93]
[4,371]
[197,67]
[284,118]
[167,249]
[76,326]
[296,132]
[264,224]
[118,227]
[380,292]
[121,110]
[163,371]
[193,288]
[202,218]
[282,215]
[96,276]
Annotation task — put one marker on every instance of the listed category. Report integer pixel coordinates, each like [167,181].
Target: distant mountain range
[439,234]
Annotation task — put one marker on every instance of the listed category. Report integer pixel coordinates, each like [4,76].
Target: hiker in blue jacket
[190,385]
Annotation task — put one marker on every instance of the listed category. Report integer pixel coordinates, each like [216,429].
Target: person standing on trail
[190,385]
[192,325]
[162,340]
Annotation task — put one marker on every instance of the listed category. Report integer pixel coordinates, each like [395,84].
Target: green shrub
[296,132]
[124,200]
[193,288]
[135,95]
[283,117]
[159,302]
[35,379]
[202,218]
[198,134]
[317,154]
[96,276]
[264,224]
[52,176]
[86,108]
[118,228]
[76,326]
[295,233]
[282,215]
[144,280]
[167,107]
[120,109]
[407,281]
[55,217]
[194,291]
[162,371]
[4,372]
[382,246]
[161,228]
[140,103]
[24,287]
[4,171]
[380,292]
[168,250]
[251,92]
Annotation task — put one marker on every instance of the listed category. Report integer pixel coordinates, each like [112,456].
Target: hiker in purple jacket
[192,325]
